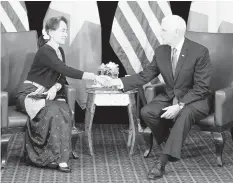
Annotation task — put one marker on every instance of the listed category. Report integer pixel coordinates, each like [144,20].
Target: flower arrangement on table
[106,72]
[110,69]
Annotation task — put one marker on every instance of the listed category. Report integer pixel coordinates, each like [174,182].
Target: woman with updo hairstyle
[41,97]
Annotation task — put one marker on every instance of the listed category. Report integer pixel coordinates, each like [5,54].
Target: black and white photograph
[116,91]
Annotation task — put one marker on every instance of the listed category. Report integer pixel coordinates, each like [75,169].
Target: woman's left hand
[51,93]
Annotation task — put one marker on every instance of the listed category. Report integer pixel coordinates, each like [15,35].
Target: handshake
[103,80]
[107,81]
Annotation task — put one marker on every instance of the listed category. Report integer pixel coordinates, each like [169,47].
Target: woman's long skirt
[48,135]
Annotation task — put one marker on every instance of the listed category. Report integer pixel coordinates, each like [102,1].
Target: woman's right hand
[89,76]
[102,79]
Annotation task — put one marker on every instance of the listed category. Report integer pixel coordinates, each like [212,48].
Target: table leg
[130,132]
[133,123]
[89,115]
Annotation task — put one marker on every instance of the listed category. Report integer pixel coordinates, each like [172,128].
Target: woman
[48,133]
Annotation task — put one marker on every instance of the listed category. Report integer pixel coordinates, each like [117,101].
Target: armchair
[221,118]
[18,51]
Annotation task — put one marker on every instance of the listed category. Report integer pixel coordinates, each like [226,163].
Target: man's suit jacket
[192,77]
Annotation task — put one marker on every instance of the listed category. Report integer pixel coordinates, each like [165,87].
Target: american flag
[135,32]
[13,16]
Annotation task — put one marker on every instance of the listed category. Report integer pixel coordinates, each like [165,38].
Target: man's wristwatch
[181,105]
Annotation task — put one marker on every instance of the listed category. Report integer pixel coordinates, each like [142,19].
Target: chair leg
[219,140]
[73,143]
[4,148]
[232,133]
[148,137]
[25,155]
[74,137]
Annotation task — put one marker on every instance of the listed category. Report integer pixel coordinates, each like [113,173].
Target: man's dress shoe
[157,171]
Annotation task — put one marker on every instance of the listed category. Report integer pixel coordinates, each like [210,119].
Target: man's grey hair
[176,22]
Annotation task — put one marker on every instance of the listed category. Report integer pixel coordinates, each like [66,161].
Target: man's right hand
[114,82]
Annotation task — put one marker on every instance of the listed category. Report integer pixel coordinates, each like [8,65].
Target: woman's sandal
[64,169]
[54,165]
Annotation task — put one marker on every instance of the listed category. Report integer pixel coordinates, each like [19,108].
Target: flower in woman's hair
[45,34]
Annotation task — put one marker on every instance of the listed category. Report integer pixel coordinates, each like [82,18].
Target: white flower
[109,69]
[102,66]
[45,35]
[112,65]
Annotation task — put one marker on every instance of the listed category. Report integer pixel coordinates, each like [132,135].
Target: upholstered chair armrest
[4,109]
[223,106]
[152,90]
[70,96]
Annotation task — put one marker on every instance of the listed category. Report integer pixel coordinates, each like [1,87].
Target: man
[186,70]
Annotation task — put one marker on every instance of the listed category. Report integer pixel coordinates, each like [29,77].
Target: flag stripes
[123,46]
[6,23]
[156,9]
[152,30]
[136,26]
[135,32]
[165,9]
[13,16]
[128,26]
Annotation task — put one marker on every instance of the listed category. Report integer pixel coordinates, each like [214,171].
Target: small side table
[110,97]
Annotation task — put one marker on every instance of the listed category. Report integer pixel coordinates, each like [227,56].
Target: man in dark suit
[186,70]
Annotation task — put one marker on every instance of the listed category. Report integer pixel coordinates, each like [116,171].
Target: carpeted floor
[112,162]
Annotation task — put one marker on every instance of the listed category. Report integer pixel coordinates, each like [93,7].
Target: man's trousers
[174,130]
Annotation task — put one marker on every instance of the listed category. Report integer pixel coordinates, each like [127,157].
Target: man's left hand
[171,112]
